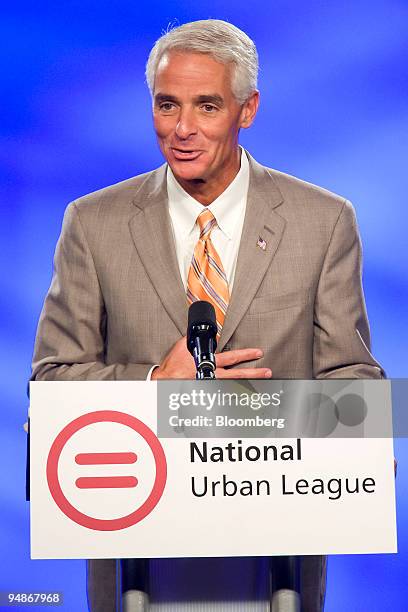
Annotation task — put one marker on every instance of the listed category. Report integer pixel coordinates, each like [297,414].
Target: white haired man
[279,258]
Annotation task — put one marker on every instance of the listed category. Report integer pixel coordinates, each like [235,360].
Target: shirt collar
[184,209]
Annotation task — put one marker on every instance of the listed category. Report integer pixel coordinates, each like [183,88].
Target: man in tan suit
[117,307]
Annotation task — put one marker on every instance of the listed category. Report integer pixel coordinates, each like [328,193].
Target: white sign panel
[103,485]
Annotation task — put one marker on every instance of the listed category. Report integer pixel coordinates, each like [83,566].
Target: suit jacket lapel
[153,237]
[261,235]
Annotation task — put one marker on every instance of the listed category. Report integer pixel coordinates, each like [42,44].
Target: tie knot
[206,222]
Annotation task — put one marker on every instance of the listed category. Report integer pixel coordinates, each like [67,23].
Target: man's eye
[166,106]
[209,108]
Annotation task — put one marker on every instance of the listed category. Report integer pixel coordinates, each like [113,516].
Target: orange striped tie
[206,277]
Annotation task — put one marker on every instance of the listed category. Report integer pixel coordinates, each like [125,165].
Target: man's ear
[249,110]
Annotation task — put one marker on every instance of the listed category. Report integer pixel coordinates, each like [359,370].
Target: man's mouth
[185,154]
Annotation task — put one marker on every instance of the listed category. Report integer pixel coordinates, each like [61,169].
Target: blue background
[75,117]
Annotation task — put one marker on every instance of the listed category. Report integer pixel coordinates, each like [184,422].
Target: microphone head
[200,313]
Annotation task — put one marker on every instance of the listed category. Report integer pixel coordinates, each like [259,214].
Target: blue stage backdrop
[75,116]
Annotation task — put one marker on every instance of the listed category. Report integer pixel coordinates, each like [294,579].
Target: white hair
[225,42]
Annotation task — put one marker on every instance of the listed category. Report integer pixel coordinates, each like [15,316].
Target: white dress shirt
[229,212]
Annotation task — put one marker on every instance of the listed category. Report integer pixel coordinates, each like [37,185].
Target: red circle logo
[106,524]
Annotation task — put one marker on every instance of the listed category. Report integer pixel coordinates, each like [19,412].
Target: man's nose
[186,125]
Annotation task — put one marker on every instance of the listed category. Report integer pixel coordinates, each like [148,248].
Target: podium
[185,469]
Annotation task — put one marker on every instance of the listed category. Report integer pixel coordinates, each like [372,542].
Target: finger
[244,373]
[237,356]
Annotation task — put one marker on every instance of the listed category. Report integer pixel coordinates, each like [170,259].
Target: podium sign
[116,473]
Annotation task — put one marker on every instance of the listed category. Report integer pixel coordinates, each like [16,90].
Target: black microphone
[202,338]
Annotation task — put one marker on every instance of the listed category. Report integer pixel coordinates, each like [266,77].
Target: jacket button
[227,347]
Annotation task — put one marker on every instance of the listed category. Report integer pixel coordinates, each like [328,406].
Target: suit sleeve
[70,342]
[341,332]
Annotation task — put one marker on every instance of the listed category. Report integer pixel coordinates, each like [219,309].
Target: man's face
[197,119]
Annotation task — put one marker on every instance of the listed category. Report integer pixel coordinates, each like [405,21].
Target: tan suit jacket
[117,303]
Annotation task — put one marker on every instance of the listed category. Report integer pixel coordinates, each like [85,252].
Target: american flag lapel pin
[261,243]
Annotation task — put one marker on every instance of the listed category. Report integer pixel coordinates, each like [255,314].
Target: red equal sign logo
[143,508]
[106,482]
